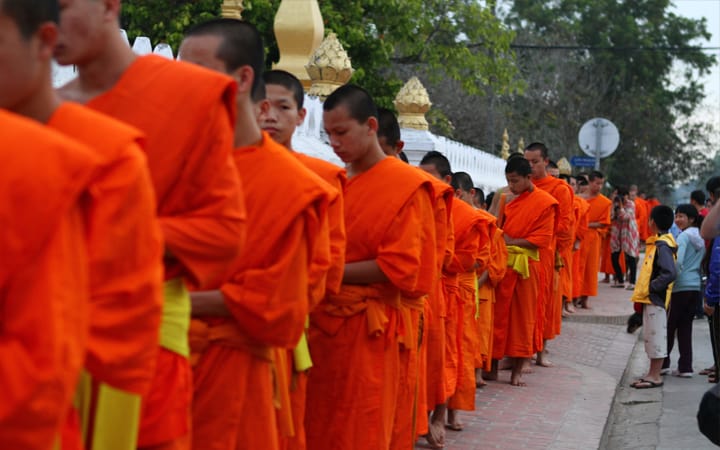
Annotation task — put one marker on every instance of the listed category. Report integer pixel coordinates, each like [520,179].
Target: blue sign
[582,161]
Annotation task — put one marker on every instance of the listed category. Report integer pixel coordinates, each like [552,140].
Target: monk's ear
[47,35]
[112,9]
[372,122]
[399,145]
[301,116]
[244,77]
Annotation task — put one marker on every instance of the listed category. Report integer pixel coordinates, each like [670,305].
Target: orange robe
[472,253]
[432,354]
[125,251]
[353,399]
[580,230]
[497,265]
[187,114]
[598,211]
[641,217]
[267,295]
[530,216]
[44,279]
[559,251]
[331,283]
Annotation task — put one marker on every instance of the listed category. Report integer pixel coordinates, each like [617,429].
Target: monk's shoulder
[326,170]
[542,199]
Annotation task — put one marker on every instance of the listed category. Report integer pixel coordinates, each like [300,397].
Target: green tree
[628,48]
[460,40]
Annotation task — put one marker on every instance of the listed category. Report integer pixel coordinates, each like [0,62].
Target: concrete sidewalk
[568,406]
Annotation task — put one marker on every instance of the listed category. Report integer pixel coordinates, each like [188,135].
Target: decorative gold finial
[299,30]
[329,67]
[505,152]
[412,102]
[564,166]
[521,145]
[232,9]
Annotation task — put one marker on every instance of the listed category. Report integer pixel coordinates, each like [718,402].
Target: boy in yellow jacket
[652,291]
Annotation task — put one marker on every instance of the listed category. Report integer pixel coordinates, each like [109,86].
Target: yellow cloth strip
[175,324]
[519,259]
[301,353]
[117,420]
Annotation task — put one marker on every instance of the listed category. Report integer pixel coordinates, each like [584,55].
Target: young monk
[436,372]
[44,276]
[186,114]
[123,234]
[410,418]
[352,388]
[284,93]
[265,302]
[598,223]
[641,212]
[556,258]
[528,221]
[472,254]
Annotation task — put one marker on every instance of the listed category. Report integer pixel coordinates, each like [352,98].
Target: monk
[186,114]
[556,258]
[598,223]
[472,255]
[124,238]
[285,112]
[265,302]
[410,417]
[352,389]
[528,223]
[44,273]
[581,228]
[440,361]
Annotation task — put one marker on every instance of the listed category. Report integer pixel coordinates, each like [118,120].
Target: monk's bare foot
[436,428]
[453,421]
[517,382]
[544,362]
[479,381]
[526,368]
[517,372]
[569,308]
[505,364]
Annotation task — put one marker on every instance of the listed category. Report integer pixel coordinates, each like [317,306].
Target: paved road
[583,402]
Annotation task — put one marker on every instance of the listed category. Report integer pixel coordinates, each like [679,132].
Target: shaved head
[28,15]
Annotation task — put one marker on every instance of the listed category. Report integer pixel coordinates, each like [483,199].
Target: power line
[612,48]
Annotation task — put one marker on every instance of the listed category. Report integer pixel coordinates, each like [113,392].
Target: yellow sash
[519,259]
[176,318]
[301,353]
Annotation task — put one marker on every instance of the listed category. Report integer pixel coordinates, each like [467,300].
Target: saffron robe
[472,253]
[552,258]
[642,213]
[529,216]
[329,283]
[187,114]
[267,295]
[497,265]
[598,211]
[384,211]
[125,246]
[581,230]
[44,278]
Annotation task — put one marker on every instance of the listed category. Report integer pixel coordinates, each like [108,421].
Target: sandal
[642,383]
[707,371]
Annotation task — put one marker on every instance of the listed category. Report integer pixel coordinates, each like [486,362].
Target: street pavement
[584,401]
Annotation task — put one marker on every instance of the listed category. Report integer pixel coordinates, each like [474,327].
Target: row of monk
[174,276]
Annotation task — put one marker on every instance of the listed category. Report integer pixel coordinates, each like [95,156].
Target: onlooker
[710,230]
[697,199]
[686,290]
[624,238]
[652,291]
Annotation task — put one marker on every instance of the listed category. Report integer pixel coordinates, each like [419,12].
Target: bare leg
[479,381]
[583,302]
[526,366]
[653,374]
[516,377]
[542,359]
[568,307]
[453,420]
[436,428]
[505,364]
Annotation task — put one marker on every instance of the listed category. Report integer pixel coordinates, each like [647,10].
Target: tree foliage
[447,39]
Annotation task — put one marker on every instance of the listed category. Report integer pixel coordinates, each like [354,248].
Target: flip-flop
[646,384]
[707,371]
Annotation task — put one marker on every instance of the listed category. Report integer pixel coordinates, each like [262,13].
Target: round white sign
[598,136]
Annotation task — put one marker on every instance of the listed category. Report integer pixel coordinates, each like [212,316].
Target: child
[653,289]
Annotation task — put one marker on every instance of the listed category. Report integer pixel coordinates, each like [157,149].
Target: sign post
[598,138]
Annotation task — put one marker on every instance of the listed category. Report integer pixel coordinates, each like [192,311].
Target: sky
[710,9]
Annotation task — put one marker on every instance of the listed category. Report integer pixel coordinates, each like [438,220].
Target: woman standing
[624,238]
[686,291]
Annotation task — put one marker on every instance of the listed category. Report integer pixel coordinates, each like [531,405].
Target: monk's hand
[576,246]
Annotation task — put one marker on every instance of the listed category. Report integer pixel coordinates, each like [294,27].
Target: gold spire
[232,9]
[564,166]
[521,145]
[299,30]
[505,152]
[329,67]
[412,102]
